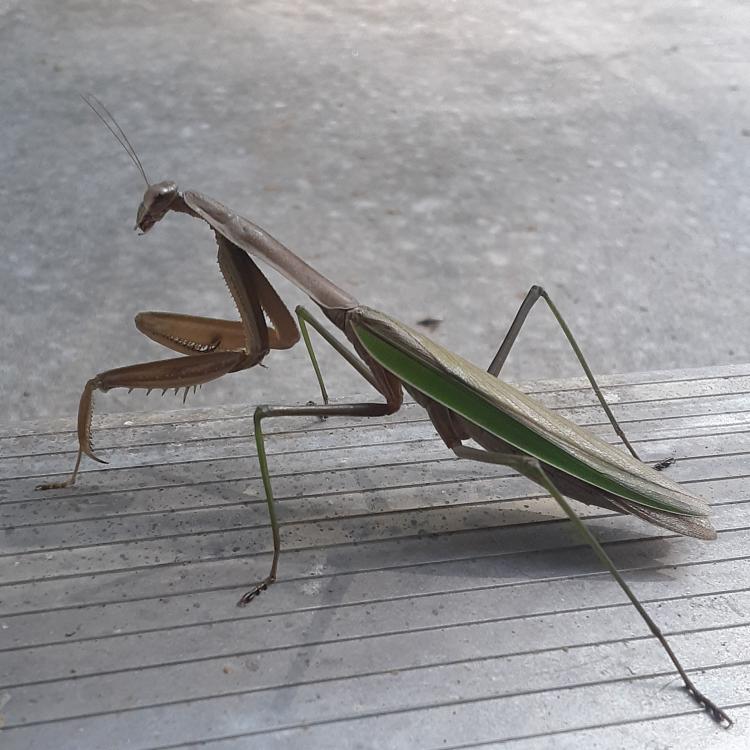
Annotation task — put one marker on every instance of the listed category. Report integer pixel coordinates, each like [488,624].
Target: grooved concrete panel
[422,601]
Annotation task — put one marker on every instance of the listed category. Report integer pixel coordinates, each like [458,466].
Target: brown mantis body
[462,401]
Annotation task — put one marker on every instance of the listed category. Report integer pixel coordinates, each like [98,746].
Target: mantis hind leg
[532,469]
[510,337]
[263,412]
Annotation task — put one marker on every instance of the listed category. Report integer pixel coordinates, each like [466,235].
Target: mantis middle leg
[263,412]
[381,380]
[305,317]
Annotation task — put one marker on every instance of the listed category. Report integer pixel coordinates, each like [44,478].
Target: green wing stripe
[459,397]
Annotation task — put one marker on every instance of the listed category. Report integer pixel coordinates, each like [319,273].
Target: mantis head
[159,197]
[156,202]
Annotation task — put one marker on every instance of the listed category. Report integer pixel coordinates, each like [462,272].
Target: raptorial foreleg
[165,374]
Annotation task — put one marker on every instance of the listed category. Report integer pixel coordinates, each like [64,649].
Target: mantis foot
[71,480]
[55,485]
[667,462]
[716,713]
[255,592]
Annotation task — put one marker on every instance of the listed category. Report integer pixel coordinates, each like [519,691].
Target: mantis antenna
[96,105]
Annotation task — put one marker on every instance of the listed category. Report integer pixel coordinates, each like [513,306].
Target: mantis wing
[511,415]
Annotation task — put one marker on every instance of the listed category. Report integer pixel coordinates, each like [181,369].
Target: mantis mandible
[462,401]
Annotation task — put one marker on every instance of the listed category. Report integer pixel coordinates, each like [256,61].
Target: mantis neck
[301,274]
[260,244]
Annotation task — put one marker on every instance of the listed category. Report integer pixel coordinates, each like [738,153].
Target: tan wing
[574,440]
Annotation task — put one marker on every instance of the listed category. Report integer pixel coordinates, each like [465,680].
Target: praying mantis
[462,401]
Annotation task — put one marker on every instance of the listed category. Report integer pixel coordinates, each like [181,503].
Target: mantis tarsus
[462,401]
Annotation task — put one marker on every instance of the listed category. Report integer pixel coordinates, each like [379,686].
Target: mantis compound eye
[156,202]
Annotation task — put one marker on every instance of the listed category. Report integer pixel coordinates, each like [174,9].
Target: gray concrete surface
[422,602]
[436,159]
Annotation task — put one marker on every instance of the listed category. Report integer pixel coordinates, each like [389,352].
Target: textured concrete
[436,159]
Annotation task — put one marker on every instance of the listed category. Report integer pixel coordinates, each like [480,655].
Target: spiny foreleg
[178,373]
